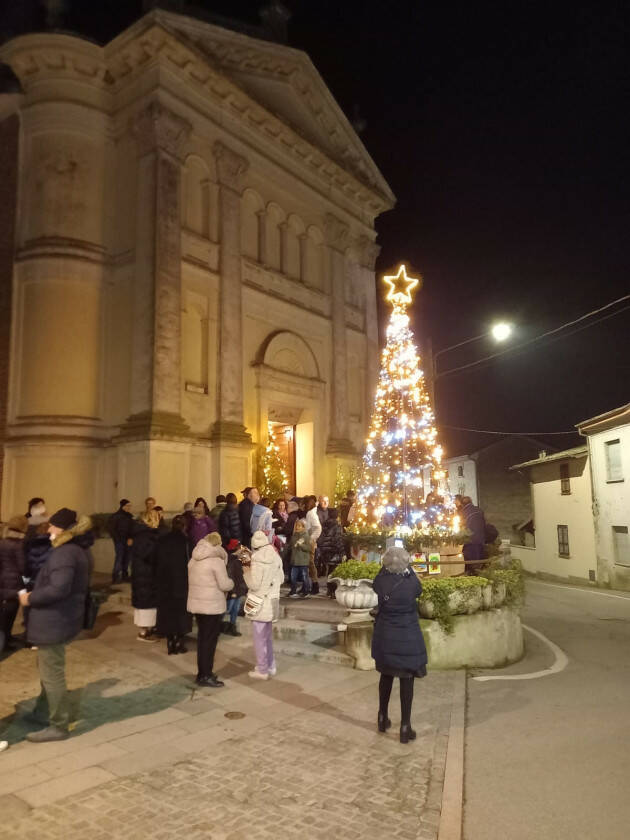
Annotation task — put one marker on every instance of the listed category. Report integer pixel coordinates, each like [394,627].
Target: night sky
[502,129]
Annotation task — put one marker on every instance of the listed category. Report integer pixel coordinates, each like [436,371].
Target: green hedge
[438,590]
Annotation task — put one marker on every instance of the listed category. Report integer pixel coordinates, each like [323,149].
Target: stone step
[331,656]
[317,608]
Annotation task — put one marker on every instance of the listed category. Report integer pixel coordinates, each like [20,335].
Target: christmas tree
[273,479]
[402,484]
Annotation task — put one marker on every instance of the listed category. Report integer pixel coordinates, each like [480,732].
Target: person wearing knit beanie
[63,520]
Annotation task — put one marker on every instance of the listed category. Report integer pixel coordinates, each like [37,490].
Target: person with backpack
[120,525]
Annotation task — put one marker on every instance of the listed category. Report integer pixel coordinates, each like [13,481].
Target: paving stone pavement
[153,757]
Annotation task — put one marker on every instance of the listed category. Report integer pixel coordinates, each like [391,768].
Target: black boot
[315,587]
[406,733]
[383,722]
[225,627]
[171,645]
[232,631]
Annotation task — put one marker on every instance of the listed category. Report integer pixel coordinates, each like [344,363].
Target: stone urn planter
[357,596]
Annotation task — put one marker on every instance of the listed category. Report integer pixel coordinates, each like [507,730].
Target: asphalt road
[550,757]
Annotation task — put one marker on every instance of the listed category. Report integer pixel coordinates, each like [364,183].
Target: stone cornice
[231,167]
[157,127]
[242,55]
[52,55]
[149,40]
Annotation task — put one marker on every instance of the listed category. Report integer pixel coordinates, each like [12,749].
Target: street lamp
[501,331]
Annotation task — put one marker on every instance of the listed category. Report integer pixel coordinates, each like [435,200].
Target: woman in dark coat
[143,580]
[11,568]
[397,644]
[171,568]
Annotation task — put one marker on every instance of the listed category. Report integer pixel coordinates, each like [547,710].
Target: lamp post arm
[453,347]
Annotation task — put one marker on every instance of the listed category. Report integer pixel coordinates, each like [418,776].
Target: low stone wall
[486,639]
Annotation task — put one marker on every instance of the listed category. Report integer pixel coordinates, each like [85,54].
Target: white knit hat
[259,539]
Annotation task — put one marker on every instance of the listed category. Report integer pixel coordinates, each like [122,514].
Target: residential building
[485,476]
[608,440]
[564,532]
[187,254]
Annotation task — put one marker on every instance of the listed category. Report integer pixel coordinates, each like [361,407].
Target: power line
[524,344]
[505,434]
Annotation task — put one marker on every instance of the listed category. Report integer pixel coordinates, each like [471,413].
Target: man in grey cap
[57,612]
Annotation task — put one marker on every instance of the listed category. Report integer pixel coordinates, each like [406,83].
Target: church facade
[186,255]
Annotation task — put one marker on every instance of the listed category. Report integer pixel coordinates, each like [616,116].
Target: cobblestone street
[152,756]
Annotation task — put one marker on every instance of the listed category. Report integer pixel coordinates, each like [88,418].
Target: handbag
[253,604]
[375,610]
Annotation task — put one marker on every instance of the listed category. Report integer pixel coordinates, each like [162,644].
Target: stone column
[156,372]
[337,241]
[229,427]
[368,252]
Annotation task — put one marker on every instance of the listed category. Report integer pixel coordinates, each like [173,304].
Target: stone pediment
[285,81]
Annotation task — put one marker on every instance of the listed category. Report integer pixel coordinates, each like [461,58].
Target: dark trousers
[300,573]
[53,702]
[8,611]
[476,552]
[121,562]
[208,629]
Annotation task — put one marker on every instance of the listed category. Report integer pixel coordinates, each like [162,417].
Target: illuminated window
[565,481]
[614,470]
[563,541]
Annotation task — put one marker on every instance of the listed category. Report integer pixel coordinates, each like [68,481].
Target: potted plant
[354,584]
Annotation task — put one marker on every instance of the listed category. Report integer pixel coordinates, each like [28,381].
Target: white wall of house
[462,476]
[552,508]
[610,459]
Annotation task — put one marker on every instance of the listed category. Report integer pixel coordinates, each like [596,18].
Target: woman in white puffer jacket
[264,579]
[208,582]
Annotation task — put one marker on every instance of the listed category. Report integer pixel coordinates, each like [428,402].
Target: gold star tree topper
[400,286]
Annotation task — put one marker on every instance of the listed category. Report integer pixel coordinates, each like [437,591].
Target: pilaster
[337,235]
[156,367]
[229,427]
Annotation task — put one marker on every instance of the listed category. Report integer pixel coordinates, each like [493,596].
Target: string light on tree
[273,475]
[401,473]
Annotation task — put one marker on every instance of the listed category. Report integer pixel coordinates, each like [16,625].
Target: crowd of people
[211,565]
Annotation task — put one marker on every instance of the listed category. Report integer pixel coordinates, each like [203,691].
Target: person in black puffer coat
[230,521]
[397,643]
[57,612]
[331,543]
[172,556]
[11,569]
[145,536]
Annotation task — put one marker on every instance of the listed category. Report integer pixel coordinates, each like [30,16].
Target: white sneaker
[4,745]
[295,595]
[256,675]
[273,671]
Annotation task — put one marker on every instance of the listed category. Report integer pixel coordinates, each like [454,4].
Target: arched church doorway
[292,399]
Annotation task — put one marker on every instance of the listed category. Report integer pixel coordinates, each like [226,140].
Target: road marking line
[580,589]
[560,662]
